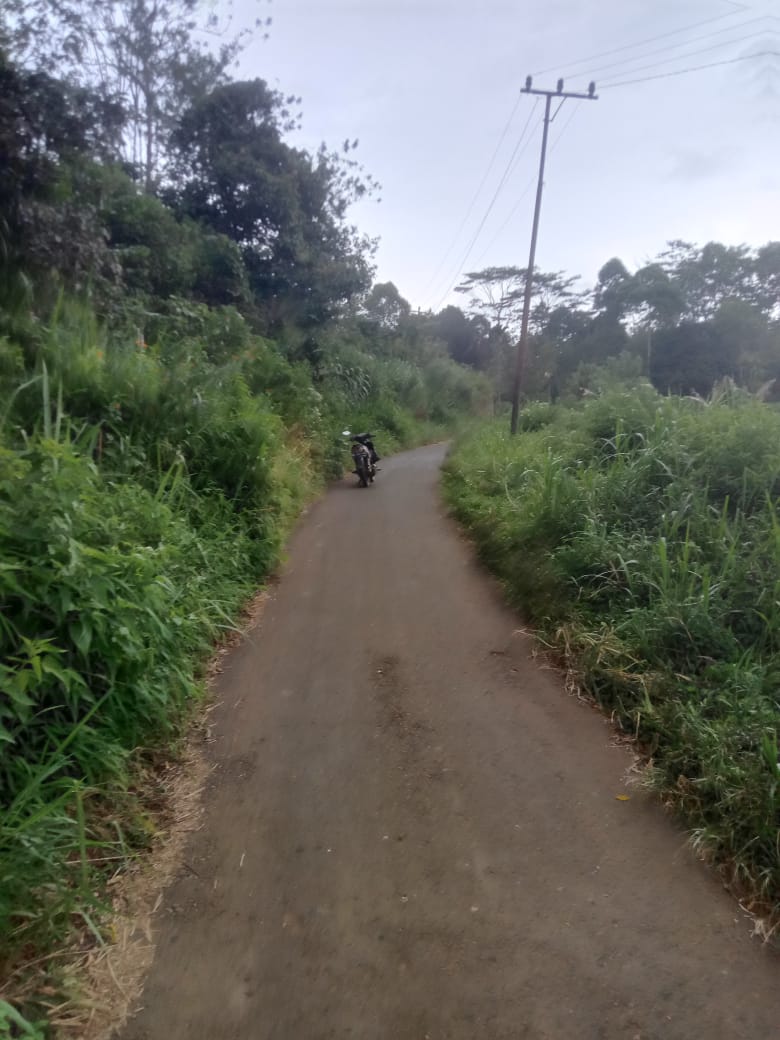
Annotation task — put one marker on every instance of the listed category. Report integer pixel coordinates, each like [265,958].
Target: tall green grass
[642,536]
[111,594]
[144,494]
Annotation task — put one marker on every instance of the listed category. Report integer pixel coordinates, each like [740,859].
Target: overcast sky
[428,87]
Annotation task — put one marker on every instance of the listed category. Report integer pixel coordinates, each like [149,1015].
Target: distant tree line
[692,316]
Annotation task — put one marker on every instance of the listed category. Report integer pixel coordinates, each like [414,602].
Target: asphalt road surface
[412,830]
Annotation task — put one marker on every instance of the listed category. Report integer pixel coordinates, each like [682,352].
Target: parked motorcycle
[362,451]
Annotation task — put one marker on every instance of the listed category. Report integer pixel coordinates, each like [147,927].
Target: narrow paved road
[412,831]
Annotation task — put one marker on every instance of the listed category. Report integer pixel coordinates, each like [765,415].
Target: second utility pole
[522,346]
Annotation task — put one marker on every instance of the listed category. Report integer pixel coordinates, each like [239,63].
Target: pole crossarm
[559,93]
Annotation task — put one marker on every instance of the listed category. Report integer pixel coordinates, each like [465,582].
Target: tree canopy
[688,317]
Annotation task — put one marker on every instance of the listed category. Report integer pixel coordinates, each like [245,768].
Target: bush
[142,499]
[110,596]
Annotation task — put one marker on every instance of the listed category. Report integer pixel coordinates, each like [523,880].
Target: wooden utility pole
[522,346]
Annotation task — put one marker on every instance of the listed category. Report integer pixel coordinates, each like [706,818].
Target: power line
[564,128]
[557,110]
[689,54]
[432,280]
[492,203]
[489,209]
[639,43]
[597,70]
[522,152]
[524,193]
[694,68]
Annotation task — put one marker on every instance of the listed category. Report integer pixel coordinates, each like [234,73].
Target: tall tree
[285,208]
[152,56]
[613,292]
[767,268]
[747,336]
[655,299]
[385,307]
[494,292]
[46,129]
[706,276]
[691,358]
[497,294]
[469,340]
